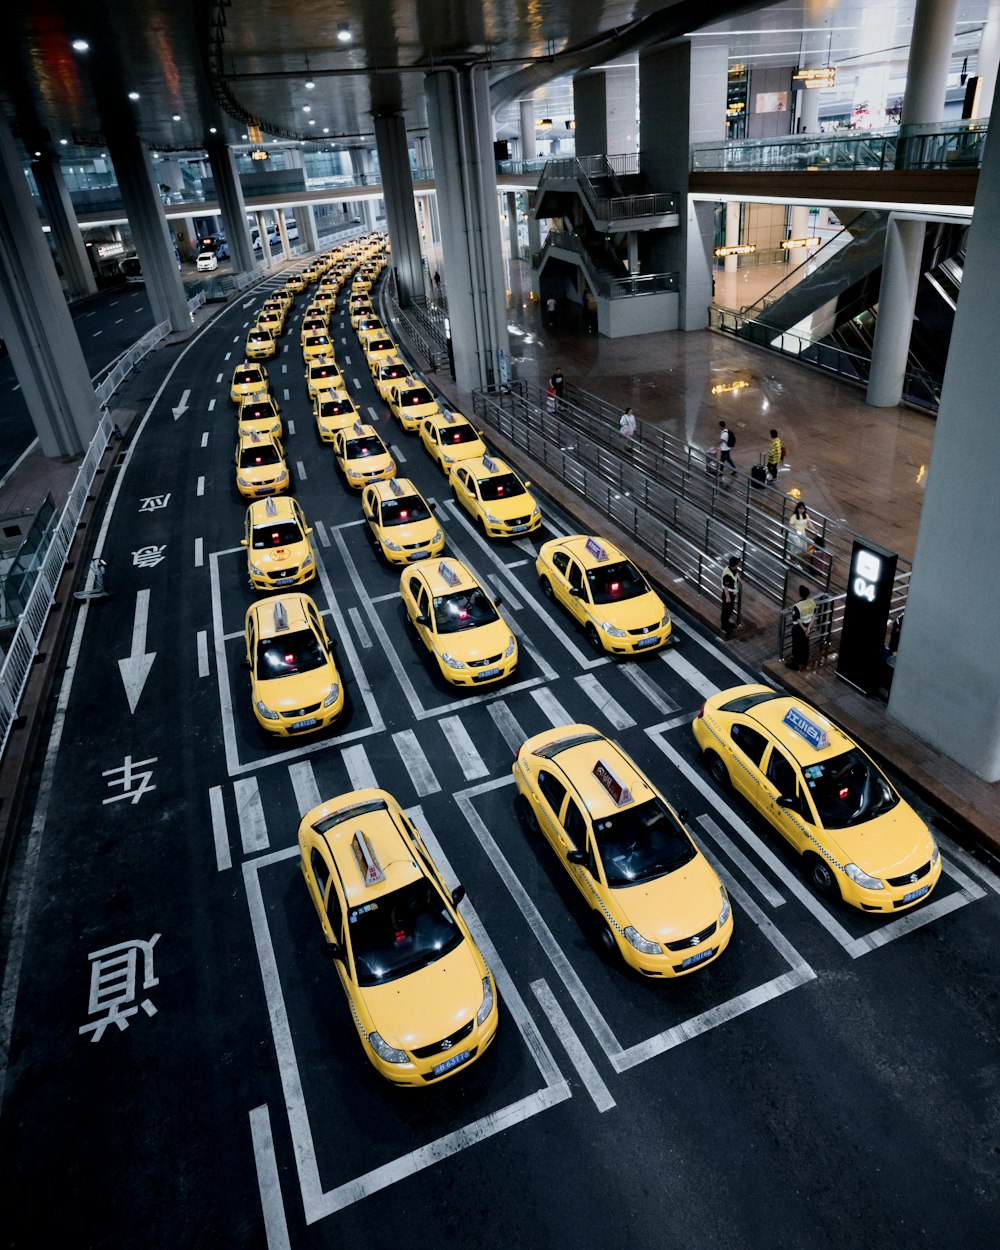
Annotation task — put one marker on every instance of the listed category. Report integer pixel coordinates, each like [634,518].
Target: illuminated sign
[258,154]
[395,487]
[866,616]
[799,723]
[448,573]
[825,76]
[812,241]
[490,465]
[737,249]
[358,427]
[106,250]
[596,550]
[617,788]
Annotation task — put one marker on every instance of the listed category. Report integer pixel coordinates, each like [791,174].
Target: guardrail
[128,361]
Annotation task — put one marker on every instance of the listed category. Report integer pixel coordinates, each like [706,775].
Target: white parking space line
[746,679]
[372,414]
[220,831]
[357,384]
[504,591]
[415,763]
[250,813]
[393,594]
[457,737]
[527,546]
[358,769]
[553,709]
[200,490]
[687,672]
[359,628]
[515,564]
[227,356]
[611,708]
[397,453]
[972,864]
[733,853]
[275,1228]
[202,641]
[291,428]
[204,439]
[199,552]
[644,683]
[97,334]
[300,469]
[321,533]
[303,781]
[506,722]
[578,1057]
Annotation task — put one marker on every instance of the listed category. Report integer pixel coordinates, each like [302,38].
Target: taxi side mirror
[576,592]
[423,619]
[498,600]
[243,542]
[245,663]
[331,642]
[334,950]
[785,800]
[457,894]
[576,857]
[526,485]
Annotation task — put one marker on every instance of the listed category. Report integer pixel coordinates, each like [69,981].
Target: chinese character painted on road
[148,557]
[130,777]
[112,984]
[153,502]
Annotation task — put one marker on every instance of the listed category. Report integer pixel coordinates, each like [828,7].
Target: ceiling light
[310,84]
[312,121]
[244,136]
[212,130]
[133,95]
[80,45]
[306,108]
[343,32]
[326,130]
[64,142]
[177,117]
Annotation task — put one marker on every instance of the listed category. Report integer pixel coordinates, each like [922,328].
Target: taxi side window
[320,871]
[561,561]
[575,576]
[750,742]
[317,624]
[575,826]
[334,913]
[423,602]
[783,775]
[251,639]
[553,790]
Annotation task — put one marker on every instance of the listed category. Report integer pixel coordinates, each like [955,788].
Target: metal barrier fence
[24,645]
[127,362]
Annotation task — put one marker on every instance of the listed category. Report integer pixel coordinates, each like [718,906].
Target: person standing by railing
[731,584]
[802,619]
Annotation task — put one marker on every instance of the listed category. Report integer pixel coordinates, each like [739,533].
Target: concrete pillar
[988,60]
[397,182]
[187,238]
[923,101]
[682,90]
[77,271]
[732,263]
[265,246]
[458,109]
[946,686]
[527,130]
[807,118]
[37,327]
[229,193]
[800,222]
[511,197]
[150,229]
[306,221]
[604,109]
[361,164]
[286,246]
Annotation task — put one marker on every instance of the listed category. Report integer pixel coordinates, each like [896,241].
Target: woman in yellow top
[773,456]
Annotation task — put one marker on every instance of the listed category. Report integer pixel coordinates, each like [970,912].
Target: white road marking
[90,314]
[250,813]
[358,768]
[303,781]
[202,641]
[97,334]
[505,592]
[359,628]
[973,865]
[764,887]
[199,552]
[321,533]
[746,679]
[119,321]
[300,469]
[553,709]
[220,831]
[457,737]
[227,356]
[513,564]
[643,682]
[284,368]
[398,454]
[291,427]
[357,384]
[505,721]
[268,1182]
[415,763]
[287,394]
[204,439]
[373,415]
[687,672]
[347,359]
[218,379]
[611,708]
[200,490]
[578,1057]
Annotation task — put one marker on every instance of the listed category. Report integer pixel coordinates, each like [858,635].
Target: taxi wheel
[526,814]
[822,876]
[606,938]
[717,770]
[547,588]
[481,526]
[594,638]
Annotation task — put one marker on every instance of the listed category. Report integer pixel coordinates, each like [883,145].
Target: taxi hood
[675,906]
[426,1006]
[888,846]
[479,643]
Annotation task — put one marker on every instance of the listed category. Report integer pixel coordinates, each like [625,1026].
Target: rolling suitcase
[758,475]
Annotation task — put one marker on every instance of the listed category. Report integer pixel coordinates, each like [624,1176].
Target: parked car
[207,261]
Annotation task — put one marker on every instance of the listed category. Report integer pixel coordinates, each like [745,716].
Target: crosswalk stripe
[457,737]
[642,681]
[506,722]
[220,831]
[358,769]
[505,592]
[687,671]
[551,706]
[611,708]
[250,812]
[304,784]
[415,763]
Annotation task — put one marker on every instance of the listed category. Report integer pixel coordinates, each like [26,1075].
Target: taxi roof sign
[449,416]
[448,573]
[395,487]
[357,427]
[364,853]
[280,618]
[270,507]
[595,549]
[617,788]
[490,465]
[799,723]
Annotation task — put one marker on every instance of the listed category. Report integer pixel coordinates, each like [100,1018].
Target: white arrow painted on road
[182,407]
[136,668]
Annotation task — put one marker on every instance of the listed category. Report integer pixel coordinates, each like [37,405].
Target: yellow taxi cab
[370,323]
[389,373]
[333,410]
[260,466]
[260,415]
[260,343]
[605,594]
[859,840]
[276,537]
[361,283]
[248,380]
[318,343]
[377,347]
[316,312]
[310,273]
[278,301]
[361,455]
[322,374]
[419,991]
[656,899]
[458,622]
[295,283]
[271,319]
[403,527]
[410,401]
[359,309]
[294,684]
[312,325]
[448,438]
[495,497]
[325,297]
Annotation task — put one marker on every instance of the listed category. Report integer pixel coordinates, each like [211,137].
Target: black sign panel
[866,615]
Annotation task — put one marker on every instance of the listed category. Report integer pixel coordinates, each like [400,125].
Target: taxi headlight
[331,695]
[243,481]
[437,536]
[510,648]
[666,620]
[265,711]
[450,660]
[447,459]
[726,907]
[935,854]
[493,520]
[612,630]
[282,475]
[257,572]
[384,1051]
[389,545]
[307,562]
[487,1007]
[536,512]
[862,878]
[355,473]
[641,944]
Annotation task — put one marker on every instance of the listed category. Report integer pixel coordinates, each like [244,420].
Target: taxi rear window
[380,345]
[244,377]
[552,749]
[747,701]
[349,813]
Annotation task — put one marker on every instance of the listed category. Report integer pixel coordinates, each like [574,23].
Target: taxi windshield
[418,395]
[244,377]
[404,511]
[611,582]
[317,340]
[366,445]
[380,345]
[317,372]
[256,455]
[292,652]
[258,412]
[848,790]
[259,336]
[502,486]
[465,609]
[401,932]
[464,433]
[388,372]
[280,534]
[641,843]
[334,407]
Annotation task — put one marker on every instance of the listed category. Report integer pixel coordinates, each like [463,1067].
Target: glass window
[610,583]
[401,932]
[320,871]
[552,789]
[294,651]
[575,575]
[782,775]
[404,510]
[281,534]
[366,445]
[561,561]
[257,455]
[848,790]
[575,826]
[455,434]
[416,395]
[501,486]
[464,609]
[642,842]
[749,741]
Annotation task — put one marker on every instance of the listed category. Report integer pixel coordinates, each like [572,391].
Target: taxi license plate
[698,959]
[446,1065]
[518,529]
[283,581]
[647,642]
[915,894]
[487,672]
[305,724]
[420,555]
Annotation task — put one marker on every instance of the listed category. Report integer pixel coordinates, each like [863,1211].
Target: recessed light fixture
[306,108]
[80,45]
[244,136]
[309,84]
[312,121]
[212,130]
[343,32]
[133,95]
[326,130]
[177,117]
[64,142]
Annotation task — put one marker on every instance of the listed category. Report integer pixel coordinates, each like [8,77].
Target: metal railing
[20,576]
[813,260]
[424,329]
[609,208]
[610,287]
[128,361]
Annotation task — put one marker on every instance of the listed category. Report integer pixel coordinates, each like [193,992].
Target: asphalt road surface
[831,1080]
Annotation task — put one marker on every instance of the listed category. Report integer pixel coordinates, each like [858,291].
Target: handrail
[611,288]
[615,208]
[127,362]
[792,279]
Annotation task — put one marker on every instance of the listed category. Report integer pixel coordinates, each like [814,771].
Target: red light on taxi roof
[404,514]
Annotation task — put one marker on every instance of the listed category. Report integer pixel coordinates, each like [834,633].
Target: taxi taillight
[701,712]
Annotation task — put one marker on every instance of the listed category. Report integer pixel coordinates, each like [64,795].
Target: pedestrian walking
[550,308]
[437,281]
[799,539]
[773,456]
[557,382]
[550,400]
[802,619]
[731,584]
[727,441]
[626,424]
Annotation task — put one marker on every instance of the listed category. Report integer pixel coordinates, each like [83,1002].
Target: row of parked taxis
[422,998]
